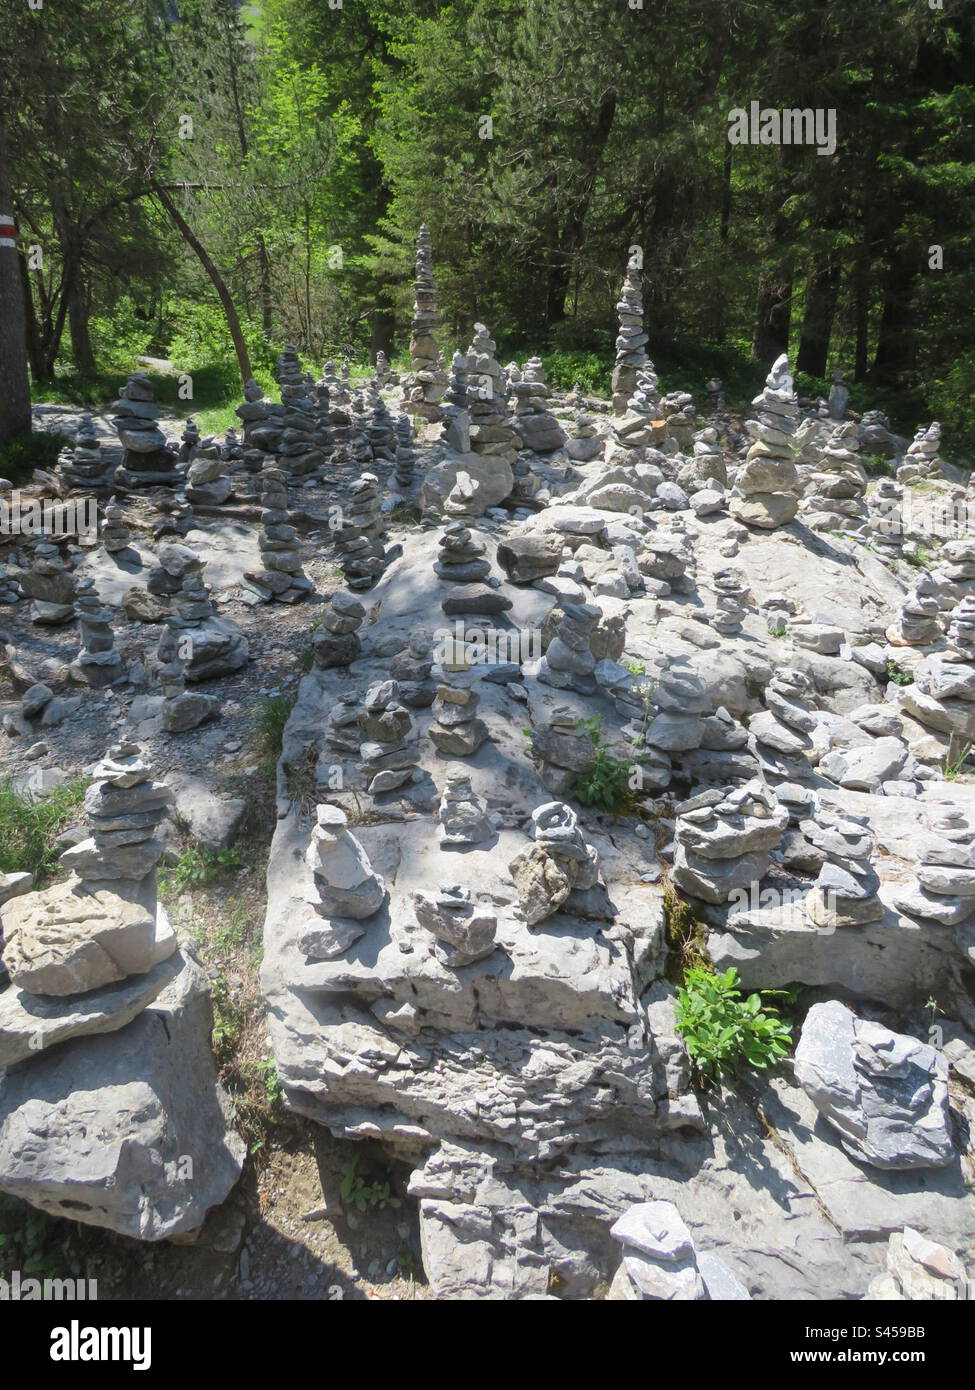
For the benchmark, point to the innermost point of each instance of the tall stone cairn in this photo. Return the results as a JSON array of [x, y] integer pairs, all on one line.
[[631, 340], [424, 386], [766, 486]]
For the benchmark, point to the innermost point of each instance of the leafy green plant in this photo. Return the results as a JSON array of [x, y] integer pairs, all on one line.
[[721, 1030], [606, 783], [196, 867], [357, 1192], [778, 630], [30, 826], [895, 673]]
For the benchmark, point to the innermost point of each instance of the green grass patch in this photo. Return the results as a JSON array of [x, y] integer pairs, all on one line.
[[19, 457], [30, 826]]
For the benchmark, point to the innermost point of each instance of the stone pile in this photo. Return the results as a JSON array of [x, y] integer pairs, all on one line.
[[885, 523], [884, 1094], [98, 663], [463, 820], [782, 730], [426, 382], [918, 1270], [533, 423], [584, 443], [298, 449], [569, 661], [764, 492], [641, 426], [491, 435], [564, 748], [359, 540], [405, 471], [723, 840], [837, 487], [147, 461], [412, 668], [263, 427], [632, 339], [83, 465], [944, 889], [115, 533], [845, 891], [558, 863], [956, 562], [384, 375], [456, 731], [282, 577], [389, 752], [189, 441], [215, 646], [182, 710], [706, 467], [922, 459], [381, 433], [345, 883], [125, 809], [730, 588], [943, 694], [206, 483], [465, 931], [336, 640], [456, 428], [917, 624], [659, 1261], [342, 727], [461, 556], [51, 585]]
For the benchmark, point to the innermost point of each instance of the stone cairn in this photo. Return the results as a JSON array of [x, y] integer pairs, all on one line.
[[533, 422], [584, 443], [98, 663], [456, 731], [426, 382], [730, 590], [569, 662], [461, 556], [405, 472], [336, 641], [723, 840], [660, 1264], [838, 485], [491, 434], [206, 483], [944, 889], [182, 709], [50, 583], [384, 376], [298, 450], [885, 524], [282, 577], [125, 808], [917, 624], [631, 340], [764, 493], [83, 465], [465, 930], [943, 694], [115, 533], [381, 433], [342, 727], [456, 428], [345, 883], [359, 540], [782, 730], [412, 668], [218, 647], [957, 562], [641, 426], [463, 820], [389, 753], [845, 891], [922, 459], [147, 461], [189, 441], [261, 420], [558, 863]]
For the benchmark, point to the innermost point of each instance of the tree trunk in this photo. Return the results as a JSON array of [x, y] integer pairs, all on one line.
[[216, 279], [14, 377], [81, 350], [861, 311], [570, 242], [35, 355], [822, 289], [896, 344], [773, 317]]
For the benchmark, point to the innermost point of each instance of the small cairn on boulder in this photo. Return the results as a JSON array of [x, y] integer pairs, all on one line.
[[943, 694], [362, 553], [336, 641], [412, 668], [922, 459], [456, 731], [723, 840], [534, 424], [147, 461], [764, 493], [212, 646], [558, 863], [659, 1261], [405, 473], [730, 589], [584, 443], [917, 624], [182, 709], [426, 382], [885, 523], [706, 466], [206, 483], [262, 426], [342, 729], [98, 663], [384, 376], [189, 441], [845, 891], [569, 661], [51, 585], [944, 889], [838, 485], [282, 577], [463, 820], [115, 533], [461, 556], [782, 730], [389, 752], [467, 931], [125, 808], [83, 466], [345, 883], [632, 338]]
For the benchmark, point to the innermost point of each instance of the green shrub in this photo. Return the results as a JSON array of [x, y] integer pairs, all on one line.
[[592, 370], [19, 457], [894, 673], [952, 401], [196, 867], [721, 1030], [606, 783]]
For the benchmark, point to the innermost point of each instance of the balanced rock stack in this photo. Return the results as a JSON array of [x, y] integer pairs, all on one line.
[[706, 466], [569, 662], [389, 752], [360, 539], [345, 882], [461, 556], [944, 890], [922, 459], [584, 442], [98, 663], [957, 561], [534, 424], [943, 694], [50, 583], [465, 930], [298, 449], [182, 709], [641, 426], [147, 461], [659, 1261], [491, 435], [463, 820], [342, 726], [206, 482], [218, 646], [885, 523], [917, 624], [404, 474], [838, 485], [730, 589], [83, 465], [456, 731], [336, 641], [764, 493], [189, 441], [558, 863], [381, 433], [384, 377], [723, 840], [631, 340], [115, 533], [282, 577], [456, 429], [262, 421], [412, 668], [918, 1270], [845, 891], [424, 386], [125, 808], [782, 730]]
